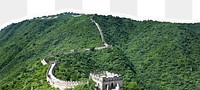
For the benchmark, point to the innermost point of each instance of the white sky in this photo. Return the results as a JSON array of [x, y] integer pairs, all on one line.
[[96, 5], [147, 9], [196, 9], [40, 7], [151, 8]]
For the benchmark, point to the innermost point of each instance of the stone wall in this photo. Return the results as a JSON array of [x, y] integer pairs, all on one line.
[[107, 80], [57, 83]]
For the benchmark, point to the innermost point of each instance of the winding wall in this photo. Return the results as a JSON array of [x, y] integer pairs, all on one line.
[[57, 83]]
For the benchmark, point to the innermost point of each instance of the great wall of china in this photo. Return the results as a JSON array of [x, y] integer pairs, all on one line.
[[57, 83]]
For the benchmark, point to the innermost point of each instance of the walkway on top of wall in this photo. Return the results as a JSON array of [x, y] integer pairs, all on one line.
[[57, 83]]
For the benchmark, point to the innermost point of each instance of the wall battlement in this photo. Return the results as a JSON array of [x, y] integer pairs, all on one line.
[[107, 81], [105, 76], [57, 83]]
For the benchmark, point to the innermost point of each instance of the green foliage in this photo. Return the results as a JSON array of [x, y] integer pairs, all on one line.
[[25, 43], [165, 55], [86, 86], [131, 86], [79, 65], [149, 55]]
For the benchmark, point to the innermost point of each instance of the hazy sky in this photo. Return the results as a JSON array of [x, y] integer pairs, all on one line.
[[162, 10]]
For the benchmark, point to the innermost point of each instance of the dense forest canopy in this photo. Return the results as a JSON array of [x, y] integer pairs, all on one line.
[[148, 54]]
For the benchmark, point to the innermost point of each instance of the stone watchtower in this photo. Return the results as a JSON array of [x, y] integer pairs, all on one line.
[[107, 81]]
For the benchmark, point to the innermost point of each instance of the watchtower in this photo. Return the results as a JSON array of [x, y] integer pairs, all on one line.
[[107, 81]]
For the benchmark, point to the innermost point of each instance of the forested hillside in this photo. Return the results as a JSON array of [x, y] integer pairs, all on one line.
[[165, 55], [148, 54]]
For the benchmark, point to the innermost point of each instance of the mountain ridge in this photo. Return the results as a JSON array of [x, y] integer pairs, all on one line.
[[163, 55]]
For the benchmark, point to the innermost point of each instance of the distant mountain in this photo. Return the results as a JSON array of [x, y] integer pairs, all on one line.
[[148, 54]]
